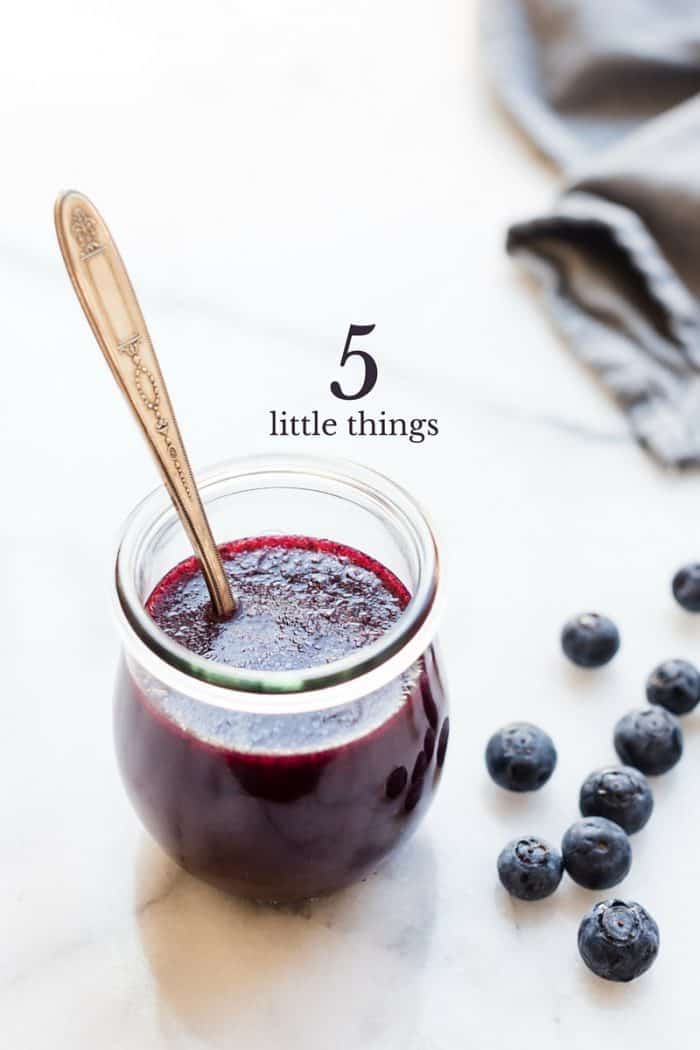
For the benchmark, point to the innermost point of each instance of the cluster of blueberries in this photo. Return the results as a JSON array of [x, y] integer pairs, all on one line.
[[618, 940]]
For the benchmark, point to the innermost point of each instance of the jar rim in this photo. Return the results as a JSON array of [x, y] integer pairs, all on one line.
[[277, 692]]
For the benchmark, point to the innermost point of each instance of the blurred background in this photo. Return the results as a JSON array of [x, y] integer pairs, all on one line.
[[273, 172]]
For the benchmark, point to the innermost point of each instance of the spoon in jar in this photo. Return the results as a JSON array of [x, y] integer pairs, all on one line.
[[106, 295]]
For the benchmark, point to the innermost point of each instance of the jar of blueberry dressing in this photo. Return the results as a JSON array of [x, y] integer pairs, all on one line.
[[282, 755]]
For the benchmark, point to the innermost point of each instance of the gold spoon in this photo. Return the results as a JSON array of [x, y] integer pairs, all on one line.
[[106, 295]]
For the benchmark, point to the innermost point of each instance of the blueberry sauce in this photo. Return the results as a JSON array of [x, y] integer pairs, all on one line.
[[282, 807]]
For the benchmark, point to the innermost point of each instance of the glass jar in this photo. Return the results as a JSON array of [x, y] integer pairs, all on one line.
[[282, 785]]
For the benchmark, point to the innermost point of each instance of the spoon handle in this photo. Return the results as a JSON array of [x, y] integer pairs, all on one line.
[[106, 295]]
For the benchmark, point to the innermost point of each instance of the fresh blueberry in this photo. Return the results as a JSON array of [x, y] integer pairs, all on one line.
[[530, 868], [686, 587], [590, 640], [650, 739], [442, 743], [419, 768], [520, 757], [618, 940], [413, 795], [597, 853], [675, 685], [621, 794], [396, 782]]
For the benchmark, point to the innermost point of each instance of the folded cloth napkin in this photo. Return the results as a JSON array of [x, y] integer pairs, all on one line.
[[610, 91]]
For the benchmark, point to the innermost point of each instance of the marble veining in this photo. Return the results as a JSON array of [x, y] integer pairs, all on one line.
[[300, 169]]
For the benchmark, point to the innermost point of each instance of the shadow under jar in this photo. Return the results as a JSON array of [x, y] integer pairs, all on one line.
[[282, 784]]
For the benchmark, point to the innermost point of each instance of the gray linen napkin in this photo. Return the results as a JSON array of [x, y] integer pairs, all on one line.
[[610, 91]]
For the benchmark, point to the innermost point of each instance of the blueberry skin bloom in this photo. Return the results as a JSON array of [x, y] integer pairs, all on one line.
[[520, 757], [618, 793], [530, 868], [686, 587], [675, 685], [597, 853], [650, 739], [618, 940], [590, 640]]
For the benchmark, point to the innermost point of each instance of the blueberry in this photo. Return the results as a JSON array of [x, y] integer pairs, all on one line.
[[621, 794], [590, 640], [520, 757], [618, 940], [442, 743], [675, 685], [396, 782], [597, 853], [530, 868], [686, 587], [650, 739], [419, 768], [413, 795]]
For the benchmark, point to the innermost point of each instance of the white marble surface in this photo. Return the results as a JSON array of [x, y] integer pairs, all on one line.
[[273, 172]]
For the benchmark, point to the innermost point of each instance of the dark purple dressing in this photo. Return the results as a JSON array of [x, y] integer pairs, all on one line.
[[301, 603], [275, 806]]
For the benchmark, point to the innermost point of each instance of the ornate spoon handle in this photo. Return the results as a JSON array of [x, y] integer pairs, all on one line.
[[103, 287]]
